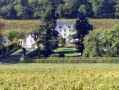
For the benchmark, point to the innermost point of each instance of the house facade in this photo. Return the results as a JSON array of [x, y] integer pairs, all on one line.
[[30, 41], [65, 29]]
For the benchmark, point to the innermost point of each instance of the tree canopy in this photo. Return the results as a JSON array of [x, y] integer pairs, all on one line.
[[82, 28], [31, 9], [102, 43]]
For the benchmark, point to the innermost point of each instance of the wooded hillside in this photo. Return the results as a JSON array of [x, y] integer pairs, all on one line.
[[32, 9]]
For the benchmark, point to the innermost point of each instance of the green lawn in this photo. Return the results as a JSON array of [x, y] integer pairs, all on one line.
[[68, 50], [16, 53]]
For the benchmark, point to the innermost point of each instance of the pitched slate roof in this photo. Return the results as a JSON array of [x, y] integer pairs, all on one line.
[[68, 24]]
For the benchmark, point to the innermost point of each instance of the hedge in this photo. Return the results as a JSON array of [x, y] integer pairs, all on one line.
[[73, 60]]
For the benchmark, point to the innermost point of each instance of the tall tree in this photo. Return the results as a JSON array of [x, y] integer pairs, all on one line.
[[8, 11], [103, 8], [1, 36], [35, 8], [117, 9], [86, 9], [71, 8], [108, 10], [47, 34], [60, 11], [82, 28]]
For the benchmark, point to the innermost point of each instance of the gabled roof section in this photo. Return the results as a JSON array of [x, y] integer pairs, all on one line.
[[68, 24]]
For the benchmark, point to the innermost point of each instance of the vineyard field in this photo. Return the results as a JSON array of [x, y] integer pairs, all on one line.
[[59, 77], [32, 25]]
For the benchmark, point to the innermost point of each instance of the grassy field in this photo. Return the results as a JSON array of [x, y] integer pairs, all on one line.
[[68, 51], [32, 25], [59, 77]]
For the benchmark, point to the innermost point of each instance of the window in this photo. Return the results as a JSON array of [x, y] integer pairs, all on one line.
[[65, 35], [64, 30], [60, 30]]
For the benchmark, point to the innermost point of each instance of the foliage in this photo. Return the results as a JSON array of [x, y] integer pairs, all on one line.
[[71, 56], [53, 77], [117, 9], [1, 34], [31, 9], [104, 8], [86, 9], [82, 28], [1, 40], [47, 34], [35, 53], [11, 35], [76, 60], [8, 48], [27, 60], [102, 43], [62, 41]]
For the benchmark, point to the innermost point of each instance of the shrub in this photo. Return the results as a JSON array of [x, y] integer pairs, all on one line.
[[8, 48], [102, 43], [61, 55], [76, 60], [27, 60], [34, 53], [11, 35], [62, 41]]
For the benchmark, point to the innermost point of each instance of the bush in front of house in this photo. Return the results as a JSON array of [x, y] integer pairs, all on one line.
[[102, 43], [61, 55], [8, 48], [35, 53], [27, 60], [62, 41]]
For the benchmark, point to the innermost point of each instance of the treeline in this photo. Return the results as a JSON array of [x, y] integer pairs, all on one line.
[[32, 9]]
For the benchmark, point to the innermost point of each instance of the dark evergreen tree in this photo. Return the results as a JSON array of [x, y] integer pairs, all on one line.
[[82, 28], [47, 34]]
